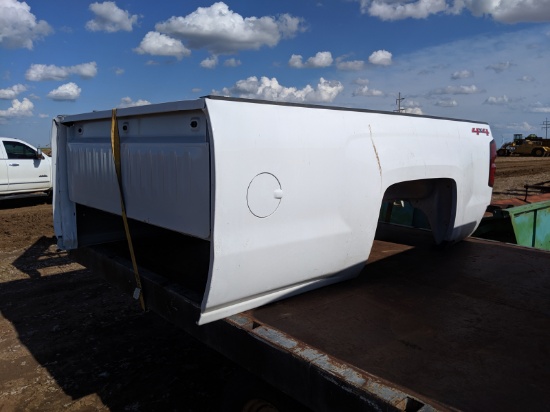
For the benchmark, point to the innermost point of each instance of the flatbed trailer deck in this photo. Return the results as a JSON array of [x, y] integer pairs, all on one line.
[[422, 328]]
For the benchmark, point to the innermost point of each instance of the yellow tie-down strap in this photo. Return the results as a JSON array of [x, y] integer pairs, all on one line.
[[115, 146]]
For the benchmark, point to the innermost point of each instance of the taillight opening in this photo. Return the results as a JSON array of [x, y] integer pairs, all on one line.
[[492, 164]]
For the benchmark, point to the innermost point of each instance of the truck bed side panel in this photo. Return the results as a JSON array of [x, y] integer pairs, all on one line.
[[314, 222], [297, 192]]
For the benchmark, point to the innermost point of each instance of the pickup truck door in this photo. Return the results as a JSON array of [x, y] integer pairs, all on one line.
[[26, 171], [3, 170]]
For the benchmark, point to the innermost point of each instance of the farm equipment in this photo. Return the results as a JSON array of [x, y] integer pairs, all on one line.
[[529, 146], [532, 148]]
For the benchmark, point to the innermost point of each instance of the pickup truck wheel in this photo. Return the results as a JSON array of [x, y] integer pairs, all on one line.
[[538, 152], [49, 198]]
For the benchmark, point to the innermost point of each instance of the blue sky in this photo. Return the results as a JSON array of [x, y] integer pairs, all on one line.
[[486, 60]]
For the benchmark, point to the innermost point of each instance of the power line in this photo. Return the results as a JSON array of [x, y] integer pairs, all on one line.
[[546, 126]]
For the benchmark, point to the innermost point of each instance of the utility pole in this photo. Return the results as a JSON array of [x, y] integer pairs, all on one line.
[[546, 126], [398, 103]]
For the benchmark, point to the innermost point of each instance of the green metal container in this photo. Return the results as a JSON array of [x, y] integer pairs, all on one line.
[[531, 224], [527, 225], [403, 213]]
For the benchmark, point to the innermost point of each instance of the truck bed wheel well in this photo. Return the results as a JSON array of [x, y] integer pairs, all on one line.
[[436, 198]]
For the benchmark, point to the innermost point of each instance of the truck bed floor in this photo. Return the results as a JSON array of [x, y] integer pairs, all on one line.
[[468, 326]]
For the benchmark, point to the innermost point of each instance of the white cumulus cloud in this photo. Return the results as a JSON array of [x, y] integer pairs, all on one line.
[[18, 109], [505, 11], [364, 90], [110, 18], [499, 67], [510, 11], [472, 89], [210, 62], [41, 72], [413, 110], [462, 74], [128, 102], [350, 65], [12, 92], [84, 70], [398, 10], [447, 103], [500, 100], [232, 63], [157, 44], [519, 127], [222, 31], [68, 91], [19, 27], [540, 108], [381, 58], [411, 107], [321, 59], [270, 89]]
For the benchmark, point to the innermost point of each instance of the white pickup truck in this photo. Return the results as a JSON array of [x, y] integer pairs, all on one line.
[[275, 199], [24, 169]]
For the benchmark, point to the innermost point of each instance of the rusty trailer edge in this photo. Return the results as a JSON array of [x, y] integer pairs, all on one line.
[[308, 375]]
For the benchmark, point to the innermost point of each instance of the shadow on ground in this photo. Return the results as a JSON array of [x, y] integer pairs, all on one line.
[[15, 203], [94, 340]]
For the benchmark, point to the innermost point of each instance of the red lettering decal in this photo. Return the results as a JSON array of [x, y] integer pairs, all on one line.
[[478, 130]]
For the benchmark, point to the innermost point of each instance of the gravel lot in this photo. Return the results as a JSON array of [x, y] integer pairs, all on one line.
[[70, 342], [513, 173]]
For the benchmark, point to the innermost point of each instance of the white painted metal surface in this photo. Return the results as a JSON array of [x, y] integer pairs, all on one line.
[[333, 167], [165, 169], [288, 195]]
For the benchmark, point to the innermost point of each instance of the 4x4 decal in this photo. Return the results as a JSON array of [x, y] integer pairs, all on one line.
[[478, 130]]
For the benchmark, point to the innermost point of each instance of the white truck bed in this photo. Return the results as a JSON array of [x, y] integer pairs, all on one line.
[[286, 196]]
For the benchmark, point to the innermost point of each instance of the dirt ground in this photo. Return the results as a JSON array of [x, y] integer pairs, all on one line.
[[513, 173], [70, 342]]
